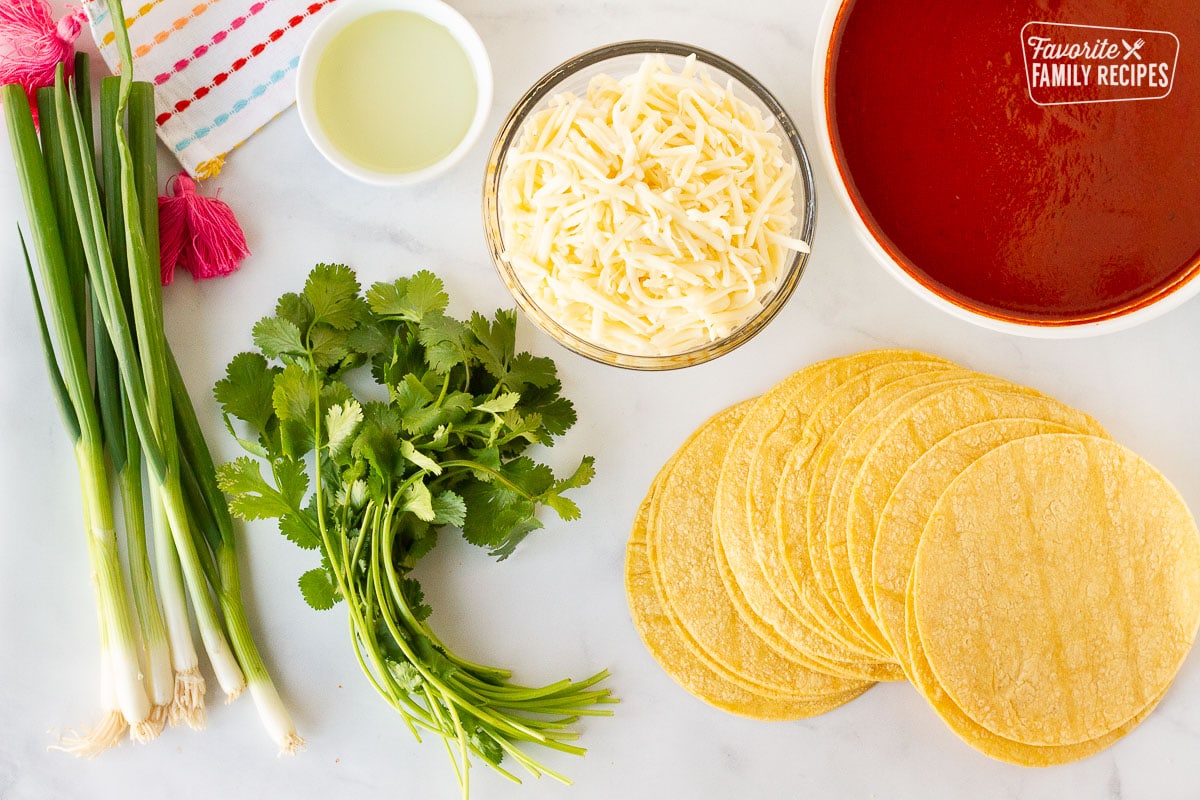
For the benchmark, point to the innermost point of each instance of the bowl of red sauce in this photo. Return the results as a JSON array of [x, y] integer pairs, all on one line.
[[1033, 168]]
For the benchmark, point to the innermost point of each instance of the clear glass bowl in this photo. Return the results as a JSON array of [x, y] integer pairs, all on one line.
[[619, 60]]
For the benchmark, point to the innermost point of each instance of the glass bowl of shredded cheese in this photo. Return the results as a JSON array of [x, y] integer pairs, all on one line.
[[649, 204]]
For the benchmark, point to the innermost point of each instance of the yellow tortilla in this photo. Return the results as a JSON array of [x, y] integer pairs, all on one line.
[[804, 496], [881, 455], [1040, 584], [700, 679], [684, 568], [744, 499], [856, 670], [985, 741], [802, 420], [911, 503], [1056, 589], [803, 650]]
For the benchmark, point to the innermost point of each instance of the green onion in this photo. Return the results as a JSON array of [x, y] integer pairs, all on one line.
[[95, 246], [57, 304], [125, 453]]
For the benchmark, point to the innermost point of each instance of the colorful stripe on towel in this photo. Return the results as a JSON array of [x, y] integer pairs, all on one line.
[[221, 68]]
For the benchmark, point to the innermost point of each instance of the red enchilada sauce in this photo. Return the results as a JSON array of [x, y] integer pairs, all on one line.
[[1047, 172]]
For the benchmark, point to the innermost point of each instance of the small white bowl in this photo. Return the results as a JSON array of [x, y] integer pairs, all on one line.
[[334, 22]]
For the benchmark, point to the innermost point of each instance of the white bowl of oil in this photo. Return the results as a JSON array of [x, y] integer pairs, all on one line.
[[393, 92]]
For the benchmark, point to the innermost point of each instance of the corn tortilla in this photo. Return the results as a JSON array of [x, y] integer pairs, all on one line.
[[781, 422], [701, 680], [1056, 589], [805, 493], [985, 741], [910, 504], [882, 454], [853, 670], [683, 565], [786, 406], [800, 649]]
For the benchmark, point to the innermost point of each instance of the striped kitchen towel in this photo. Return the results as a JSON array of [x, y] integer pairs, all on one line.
[[221, 68]]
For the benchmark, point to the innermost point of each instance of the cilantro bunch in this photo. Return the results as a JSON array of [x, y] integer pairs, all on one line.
[[370, 481]]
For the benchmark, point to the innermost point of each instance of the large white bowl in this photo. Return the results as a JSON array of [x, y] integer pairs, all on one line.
[[1175, 297]]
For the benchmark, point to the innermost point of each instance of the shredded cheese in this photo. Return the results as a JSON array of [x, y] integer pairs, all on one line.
[[652, 216]]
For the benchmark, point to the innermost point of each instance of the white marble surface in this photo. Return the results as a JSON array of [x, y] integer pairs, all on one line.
[[557, 608]]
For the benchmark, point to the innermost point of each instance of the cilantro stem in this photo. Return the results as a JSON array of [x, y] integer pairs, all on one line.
[[445, 387], [493, 474]]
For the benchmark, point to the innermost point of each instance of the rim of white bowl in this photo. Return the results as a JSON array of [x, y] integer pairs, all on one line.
[[1175, 296], [334, 22]]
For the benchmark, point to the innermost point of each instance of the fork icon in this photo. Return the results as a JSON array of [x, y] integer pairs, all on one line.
[[1132, 49]]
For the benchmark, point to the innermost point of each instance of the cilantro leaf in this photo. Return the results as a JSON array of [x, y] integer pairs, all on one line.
[[335, 393], [422, 543], [278, 337], [245, 391], [557, 412], [498, 405], [485, 743], [409, 451], [566, 508], [291, 479], [410, 299], [332, 290], [418, 501], [528, 370], [318, 589], [531, 477], [250, 496], [414, 598], [426, 294], [387, 299], [497, 518], [582, 475], [449, 509], [407, 676], [298, 529], [495, 341], [368, 339], [445, 341], [341, 423], [379, 448], [296, 309], [329, 345], [254, 448], [292, 395]]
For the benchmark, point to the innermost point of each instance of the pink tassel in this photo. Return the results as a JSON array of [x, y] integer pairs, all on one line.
[[31, 45], [197, 233]]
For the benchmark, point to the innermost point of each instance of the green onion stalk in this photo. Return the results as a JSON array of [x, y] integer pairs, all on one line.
[[151, 409], [97, 246], [160, 454], [242, 664], [125, 453], [61, 317], [146, 364], [166, 629]]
